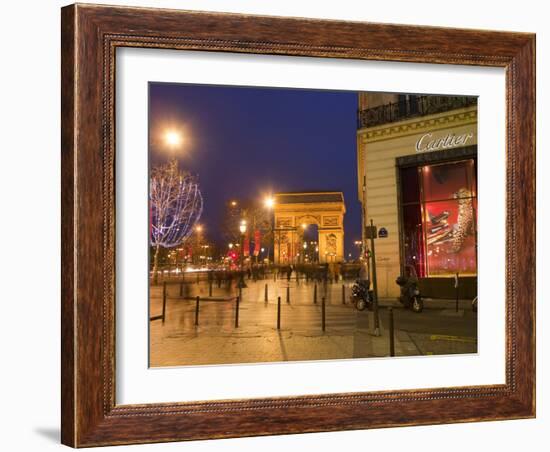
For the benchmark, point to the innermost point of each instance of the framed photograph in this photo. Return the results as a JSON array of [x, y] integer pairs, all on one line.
[[281, 225]]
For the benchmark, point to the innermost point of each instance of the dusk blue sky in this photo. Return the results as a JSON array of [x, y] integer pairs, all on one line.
[[247, 142]]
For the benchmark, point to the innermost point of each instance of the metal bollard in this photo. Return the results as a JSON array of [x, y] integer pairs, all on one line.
[[392, 341], [376, 317], [456, 292], [163, 300], [181, 289], [288, 294], [237, 312], [265, 293], [343, 294], [210, 289], [323, 313], [315, 293], [278, 313], [198, 277], [197, 311]]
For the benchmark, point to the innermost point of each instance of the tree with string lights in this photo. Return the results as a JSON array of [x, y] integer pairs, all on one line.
[[175, 207]]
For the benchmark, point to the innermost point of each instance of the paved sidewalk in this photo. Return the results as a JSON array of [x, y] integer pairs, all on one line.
[[177, 341], [170, 347], [348, 332], [430, 303]]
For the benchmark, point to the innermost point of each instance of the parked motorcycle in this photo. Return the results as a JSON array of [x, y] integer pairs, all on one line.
[[361, 297], [410, 293]]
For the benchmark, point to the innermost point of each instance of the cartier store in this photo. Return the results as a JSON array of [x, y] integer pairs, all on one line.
[[417, 179]]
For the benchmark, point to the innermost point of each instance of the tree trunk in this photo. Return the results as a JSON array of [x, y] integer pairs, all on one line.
[[156, 264]]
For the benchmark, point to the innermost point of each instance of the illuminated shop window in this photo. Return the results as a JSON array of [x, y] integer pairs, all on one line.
[[439, 220]]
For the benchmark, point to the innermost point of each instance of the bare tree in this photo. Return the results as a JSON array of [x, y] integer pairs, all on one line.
[[175, 207]]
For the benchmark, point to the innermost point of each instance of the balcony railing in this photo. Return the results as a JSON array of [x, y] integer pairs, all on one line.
[[411, 107]]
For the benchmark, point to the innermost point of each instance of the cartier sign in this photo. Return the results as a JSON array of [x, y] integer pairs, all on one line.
[[427, 142]]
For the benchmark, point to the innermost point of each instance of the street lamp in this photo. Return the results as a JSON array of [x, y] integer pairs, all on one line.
[[269, 203], [172, 138], [198, 230], [242, 229]]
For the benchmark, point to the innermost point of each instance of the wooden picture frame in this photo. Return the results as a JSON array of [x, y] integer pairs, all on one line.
[[90, 36]]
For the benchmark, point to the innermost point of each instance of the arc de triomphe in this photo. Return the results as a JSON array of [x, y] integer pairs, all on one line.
[[324, 209]]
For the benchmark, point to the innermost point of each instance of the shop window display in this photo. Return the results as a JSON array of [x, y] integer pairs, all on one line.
[[439, 220]]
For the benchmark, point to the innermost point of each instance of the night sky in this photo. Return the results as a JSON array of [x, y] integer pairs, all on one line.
[[248, 142]]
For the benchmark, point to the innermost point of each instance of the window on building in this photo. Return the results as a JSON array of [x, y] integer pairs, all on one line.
[[439, 220]]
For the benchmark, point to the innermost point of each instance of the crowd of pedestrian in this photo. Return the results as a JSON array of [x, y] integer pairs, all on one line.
[[325, 272]]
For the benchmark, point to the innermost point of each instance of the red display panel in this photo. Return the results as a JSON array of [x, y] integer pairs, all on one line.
[[449, 218]]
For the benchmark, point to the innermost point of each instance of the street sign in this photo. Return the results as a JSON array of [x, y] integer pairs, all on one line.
[[382, 233], [370, 232]]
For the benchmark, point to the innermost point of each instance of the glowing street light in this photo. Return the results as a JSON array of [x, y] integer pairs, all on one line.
[[242, 229], [172, 138], [269, 202]]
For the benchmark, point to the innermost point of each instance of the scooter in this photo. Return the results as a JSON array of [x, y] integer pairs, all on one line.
[[361, 297], [410, 293]]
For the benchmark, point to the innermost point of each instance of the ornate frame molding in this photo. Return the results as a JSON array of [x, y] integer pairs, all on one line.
[[90, 36]]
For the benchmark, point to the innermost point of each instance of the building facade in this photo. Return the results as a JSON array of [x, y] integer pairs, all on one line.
[[417, 174]]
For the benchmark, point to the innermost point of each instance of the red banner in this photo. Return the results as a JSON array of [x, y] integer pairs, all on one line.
[[257, 242], [246, 246]]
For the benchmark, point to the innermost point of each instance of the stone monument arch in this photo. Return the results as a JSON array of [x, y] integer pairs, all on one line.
[[324, 209]]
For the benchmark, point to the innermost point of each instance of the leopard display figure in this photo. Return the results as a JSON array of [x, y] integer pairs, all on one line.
[[465, 222]]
